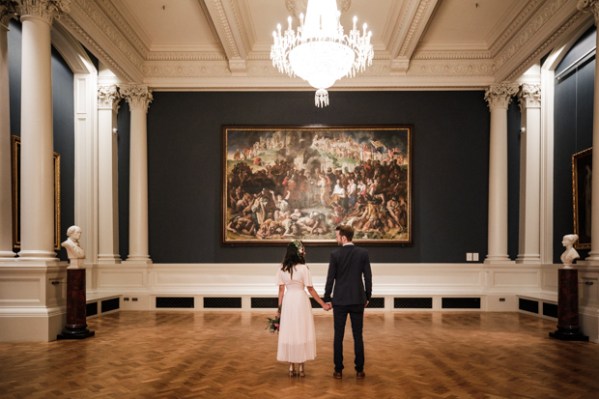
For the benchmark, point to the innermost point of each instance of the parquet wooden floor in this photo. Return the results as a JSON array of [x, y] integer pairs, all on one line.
[[232, 355]]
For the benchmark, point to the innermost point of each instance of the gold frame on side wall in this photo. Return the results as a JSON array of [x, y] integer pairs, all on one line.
[[15, 188]]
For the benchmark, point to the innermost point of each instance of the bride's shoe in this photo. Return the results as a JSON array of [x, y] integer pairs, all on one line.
[[301, 370], [291, 370]]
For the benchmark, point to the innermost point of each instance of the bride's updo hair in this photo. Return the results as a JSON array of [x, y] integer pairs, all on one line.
[[293, 256]]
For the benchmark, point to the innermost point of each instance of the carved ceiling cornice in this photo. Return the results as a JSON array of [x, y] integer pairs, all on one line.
[[536, 28], [540, 34], [90, 24], [412, 20], [229, 25]]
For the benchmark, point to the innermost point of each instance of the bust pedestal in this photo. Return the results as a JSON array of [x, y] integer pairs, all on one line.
[[567, 307], [76, 327]]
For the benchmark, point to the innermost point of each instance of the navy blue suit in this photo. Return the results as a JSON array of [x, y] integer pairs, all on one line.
[[349, 280]]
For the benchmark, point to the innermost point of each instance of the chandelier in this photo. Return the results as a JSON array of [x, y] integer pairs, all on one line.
[[318, 51]]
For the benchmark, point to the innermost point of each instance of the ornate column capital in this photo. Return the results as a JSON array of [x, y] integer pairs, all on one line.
[[109, 97], [47, 10], [8, 10], [530, 95], [138, 96], [591, 6], [500, 95]]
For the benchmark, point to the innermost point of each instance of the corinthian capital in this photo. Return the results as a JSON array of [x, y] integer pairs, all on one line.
[[591, 6], [138, 96], [108, 97], [48, 10], [530, 95], [8, 10], [500, 95]]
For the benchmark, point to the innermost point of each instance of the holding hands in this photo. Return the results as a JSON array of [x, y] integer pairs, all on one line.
[[327, 306]]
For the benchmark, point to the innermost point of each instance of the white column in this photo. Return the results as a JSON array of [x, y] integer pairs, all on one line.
[[139, 98], [530, 175], [108, 105], [6, 251], [592, 6], [37, 164], [498, 97]]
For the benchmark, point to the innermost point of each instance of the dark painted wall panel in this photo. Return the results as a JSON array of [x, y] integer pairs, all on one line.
[[450, 173], [123, 127], [514, 126], [574, 99]]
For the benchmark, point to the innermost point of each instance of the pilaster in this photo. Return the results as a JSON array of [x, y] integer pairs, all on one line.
[[530, 174], [108, 105], [498, 97], [139, 98]]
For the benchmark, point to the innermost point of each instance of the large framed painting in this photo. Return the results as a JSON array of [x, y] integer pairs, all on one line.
[[284, 183], [582, 168], [16, 199]]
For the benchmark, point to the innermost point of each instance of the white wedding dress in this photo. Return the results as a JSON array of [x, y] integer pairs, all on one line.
[[297, 336]]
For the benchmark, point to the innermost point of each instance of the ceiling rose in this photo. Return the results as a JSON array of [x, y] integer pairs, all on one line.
[[296, 7]]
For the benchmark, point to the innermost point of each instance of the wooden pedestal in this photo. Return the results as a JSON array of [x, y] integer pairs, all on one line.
[[567, 307], [76, 327]]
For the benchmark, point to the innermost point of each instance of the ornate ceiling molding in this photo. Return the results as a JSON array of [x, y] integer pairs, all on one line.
[[89, 24], [297, 7], [412, 21], [516, 25], [226, 18], [538, 26], [538, 36], [114, 14]]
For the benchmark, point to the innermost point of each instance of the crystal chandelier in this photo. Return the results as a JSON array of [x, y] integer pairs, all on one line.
[[319, 51]]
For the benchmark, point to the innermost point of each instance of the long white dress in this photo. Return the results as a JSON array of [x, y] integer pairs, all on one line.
[[297, 336]]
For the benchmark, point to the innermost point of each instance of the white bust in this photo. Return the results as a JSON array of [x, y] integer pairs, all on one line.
[[71, 244], [570, 254]]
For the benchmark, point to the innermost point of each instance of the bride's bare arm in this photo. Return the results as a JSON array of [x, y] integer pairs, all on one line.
[[315, 295]]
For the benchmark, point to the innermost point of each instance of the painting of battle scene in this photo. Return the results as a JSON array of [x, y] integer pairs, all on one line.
[[300, 182]]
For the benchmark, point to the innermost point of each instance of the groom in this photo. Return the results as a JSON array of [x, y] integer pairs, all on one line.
[[349, 279]]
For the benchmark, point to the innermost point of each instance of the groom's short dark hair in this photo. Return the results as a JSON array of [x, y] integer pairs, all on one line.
[[346, 231]]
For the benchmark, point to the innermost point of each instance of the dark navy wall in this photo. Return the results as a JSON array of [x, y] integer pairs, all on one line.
[[573, 132], [63, 120], [123, 127], [450, 168], [514, 126]]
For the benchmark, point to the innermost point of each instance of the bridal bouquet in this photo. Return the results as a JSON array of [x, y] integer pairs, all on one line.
[[273, 324]]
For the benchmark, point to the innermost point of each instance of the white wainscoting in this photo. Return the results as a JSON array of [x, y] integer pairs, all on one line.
[[588, 292], [32, 300], [33, 303], [497, 286]]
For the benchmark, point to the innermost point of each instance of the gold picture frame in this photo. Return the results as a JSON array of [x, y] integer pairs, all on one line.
[[280, 183], [582, 167], [16, 189]]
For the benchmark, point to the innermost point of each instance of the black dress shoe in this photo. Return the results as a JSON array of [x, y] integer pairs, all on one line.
[[338, 375], [360, 375]]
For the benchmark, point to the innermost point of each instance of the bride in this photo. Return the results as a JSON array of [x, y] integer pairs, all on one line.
[[297, 336]]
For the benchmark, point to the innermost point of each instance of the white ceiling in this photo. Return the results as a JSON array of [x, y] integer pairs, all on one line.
[[225, 44]]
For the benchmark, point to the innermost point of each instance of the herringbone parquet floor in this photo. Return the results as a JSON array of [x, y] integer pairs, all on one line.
[[231, 355]]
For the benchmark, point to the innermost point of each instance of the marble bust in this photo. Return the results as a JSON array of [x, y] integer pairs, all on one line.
[[71, 244], [570, 254]]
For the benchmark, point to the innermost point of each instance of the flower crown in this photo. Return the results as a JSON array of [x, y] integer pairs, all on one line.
[[298, 244]]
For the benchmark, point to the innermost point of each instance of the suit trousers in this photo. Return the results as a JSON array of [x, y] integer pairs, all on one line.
[[356, 316]]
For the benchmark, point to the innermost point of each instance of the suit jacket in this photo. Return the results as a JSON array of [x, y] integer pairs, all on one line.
[[349, 278]]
